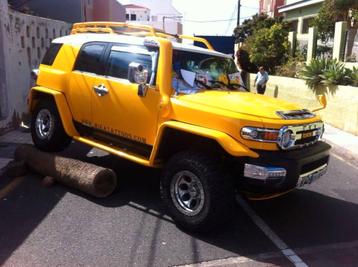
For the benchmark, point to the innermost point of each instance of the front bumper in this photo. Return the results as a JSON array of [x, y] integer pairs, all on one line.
[[301, 165]]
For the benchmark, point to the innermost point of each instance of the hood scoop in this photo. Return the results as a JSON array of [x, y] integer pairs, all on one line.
[[296, 114]]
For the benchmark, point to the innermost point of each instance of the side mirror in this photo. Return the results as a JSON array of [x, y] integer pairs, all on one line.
[[138, 73]]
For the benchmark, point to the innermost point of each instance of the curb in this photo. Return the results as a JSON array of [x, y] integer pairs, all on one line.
[[343, 153]]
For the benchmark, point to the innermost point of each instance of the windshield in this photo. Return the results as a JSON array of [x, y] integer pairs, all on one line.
[[194, 71]]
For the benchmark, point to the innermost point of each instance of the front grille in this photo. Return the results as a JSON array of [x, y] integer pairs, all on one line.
[[303, 141], [306, 134], [296, 114]]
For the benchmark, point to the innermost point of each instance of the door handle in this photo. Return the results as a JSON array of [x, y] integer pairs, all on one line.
[[100, 90]]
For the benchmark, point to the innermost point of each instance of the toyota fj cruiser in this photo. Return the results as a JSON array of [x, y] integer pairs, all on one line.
[[145, 96]]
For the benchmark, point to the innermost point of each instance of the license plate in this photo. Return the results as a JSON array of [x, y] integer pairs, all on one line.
[[310, 177], [307, 135]]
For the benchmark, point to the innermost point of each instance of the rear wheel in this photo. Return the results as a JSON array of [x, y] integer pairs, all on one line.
[[46, 128], [198, 191]]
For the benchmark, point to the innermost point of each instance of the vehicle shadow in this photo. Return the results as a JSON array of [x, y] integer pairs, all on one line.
[[302, 218]]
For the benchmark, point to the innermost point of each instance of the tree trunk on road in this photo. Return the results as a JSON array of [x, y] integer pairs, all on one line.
[[89, 178]]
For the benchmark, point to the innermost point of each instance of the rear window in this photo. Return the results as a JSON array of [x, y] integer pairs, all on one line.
[[89, 58], [51, 54]]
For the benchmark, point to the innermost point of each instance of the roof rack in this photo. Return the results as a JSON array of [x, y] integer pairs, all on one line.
[[130, 29]]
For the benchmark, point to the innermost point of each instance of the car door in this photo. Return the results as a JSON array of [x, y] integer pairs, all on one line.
[[118, 109], [88, 68]]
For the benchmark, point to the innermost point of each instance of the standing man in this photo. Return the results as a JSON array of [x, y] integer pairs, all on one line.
[[261, 80]]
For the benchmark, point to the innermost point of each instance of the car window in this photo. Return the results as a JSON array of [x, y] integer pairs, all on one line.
[[119, 60], [51, 54], [89, 59]]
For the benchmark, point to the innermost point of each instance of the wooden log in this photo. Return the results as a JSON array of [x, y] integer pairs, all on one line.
[[89, 178]]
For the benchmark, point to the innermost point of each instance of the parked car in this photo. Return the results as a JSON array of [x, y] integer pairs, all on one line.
[[144, 96]]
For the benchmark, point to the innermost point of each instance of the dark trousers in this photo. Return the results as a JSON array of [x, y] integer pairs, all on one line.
[[261, 89]]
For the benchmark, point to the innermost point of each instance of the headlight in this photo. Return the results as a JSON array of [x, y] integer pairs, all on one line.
[[260, 134], [284, 137], [288, 136]]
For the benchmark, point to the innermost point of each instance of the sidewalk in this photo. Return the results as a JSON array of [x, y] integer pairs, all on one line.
[[344, 145], [8, 144]]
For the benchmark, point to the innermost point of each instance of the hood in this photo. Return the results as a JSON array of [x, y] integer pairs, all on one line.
[[241, 102]]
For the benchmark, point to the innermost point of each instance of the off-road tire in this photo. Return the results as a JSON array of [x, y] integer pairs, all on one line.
[[56, 139], [217, 185]]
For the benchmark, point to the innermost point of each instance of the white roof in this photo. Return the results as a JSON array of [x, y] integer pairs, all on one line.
[[82, 38]]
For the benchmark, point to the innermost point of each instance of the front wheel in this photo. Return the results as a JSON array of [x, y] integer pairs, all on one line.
[[46, 128], [197, 191]]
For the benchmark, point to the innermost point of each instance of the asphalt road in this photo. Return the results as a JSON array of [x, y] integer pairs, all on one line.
[[58, 226]]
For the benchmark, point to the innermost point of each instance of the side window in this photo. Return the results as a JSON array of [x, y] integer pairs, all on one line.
[[89, 59], [51, 54], [119, 60]]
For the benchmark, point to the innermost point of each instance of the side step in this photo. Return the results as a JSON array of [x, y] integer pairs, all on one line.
[[115, 151]]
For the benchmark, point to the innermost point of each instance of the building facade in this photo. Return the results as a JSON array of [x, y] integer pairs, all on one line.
[[100, 10], [157, 13], [137, 13], [72, 10], [300, 14], [270, 7]]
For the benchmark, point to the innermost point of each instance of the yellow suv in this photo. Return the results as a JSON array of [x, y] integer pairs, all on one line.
[[145, 96]]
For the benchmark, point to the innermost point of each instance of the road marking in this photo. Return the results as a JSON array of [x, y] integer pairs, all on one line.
[[280, 244], [10, 186], [233, 261], [262, 258]]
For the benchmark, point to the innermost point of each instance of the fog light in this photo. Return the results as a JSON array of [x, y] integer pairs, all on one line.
[[263, 173]]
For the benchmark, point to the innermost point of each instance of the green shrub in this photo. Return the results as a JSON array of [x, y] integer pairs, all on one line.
[[335, 74], [328, 72], [353, 74], [313, 72], [292, 67], [244, 61], [269, 47]]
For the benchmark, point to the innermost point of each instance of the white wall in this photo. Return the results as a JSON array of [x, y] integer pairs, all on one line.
[[24, 40], [142, 14], [171, 27]]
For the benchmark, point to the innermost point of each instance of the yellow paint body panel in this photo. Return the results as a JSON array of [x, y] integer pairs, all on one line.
[[229, 144], [62, 107]]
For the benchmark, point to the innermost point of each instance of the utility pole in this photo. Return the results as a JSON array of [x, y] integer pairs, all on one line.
[[238, 12]]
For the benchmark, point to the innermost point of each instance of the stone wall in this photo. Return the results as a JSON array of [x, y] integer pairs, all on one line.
[[24, 40], [342, 108]]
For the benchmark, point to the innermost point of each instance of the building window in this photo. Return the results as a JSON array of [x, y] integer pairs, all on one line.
[[127, 16], [306, 24], [133, 17]]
